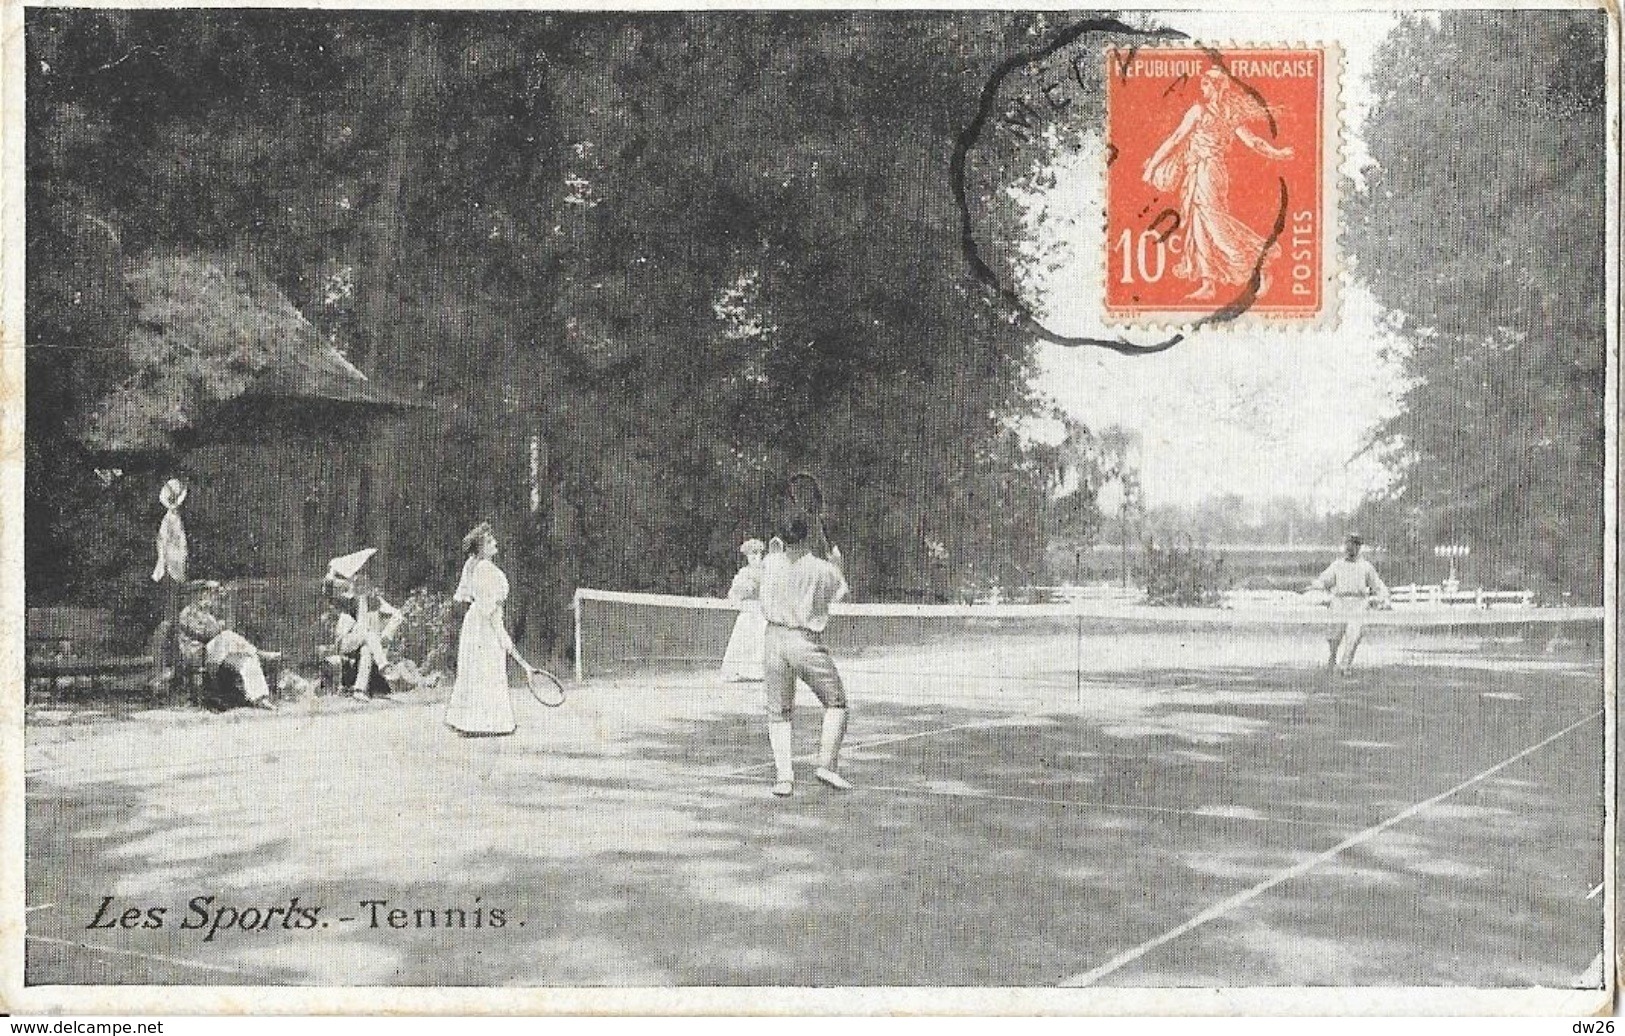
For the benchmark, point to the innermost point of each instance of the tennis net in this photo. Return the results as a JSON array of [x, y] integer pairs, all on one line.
[[1004, 647]]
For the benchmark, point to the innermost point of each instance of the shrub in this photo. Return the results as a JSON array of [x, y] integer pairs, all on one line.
[[427, 634], [1182, 573]]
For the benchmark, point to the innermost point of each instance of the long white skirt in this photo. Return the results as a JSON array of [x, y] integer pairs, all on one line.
[[480, 702], [743, 659]]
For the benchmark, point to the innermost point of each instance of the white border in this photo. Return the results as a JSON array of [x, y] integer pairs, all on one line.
[[177, 1000]]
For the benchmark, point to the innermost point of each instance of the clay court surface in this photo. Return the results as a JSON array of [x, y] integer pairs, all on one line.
[[1196, 810]]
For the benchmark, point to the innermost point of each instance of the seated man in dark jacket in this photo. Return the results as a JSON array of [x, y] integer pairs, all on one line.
[[233, 669]]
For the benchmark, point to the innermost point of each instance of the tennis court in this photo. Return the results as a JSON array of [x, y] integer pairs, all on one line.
[[1040, 804]]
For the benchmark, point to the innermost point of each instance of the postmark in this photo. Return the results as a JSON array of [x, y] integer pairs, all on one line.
[[1070, 129], [1221, 185]]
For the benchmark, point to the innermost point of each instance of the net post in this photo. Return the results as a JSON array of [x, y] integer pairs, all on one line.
[[576, 607], [1077, 606]]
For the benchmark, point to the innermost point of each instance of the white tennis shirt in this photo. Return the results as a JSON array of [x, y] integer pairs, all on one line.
[[1345, 578], [799, 592]]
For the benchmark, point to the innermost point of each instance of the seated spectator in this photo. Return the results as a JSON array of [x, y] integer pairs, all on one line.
[[233, 671], [361, 622]]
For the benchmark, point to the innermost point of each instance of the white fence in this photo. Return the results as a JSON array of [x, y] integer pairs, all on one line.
[[1410, 594], [1439, 595]]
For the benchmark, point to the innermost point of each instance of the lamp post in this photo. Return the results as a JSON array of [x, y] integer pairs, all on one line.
[[1452, 551]]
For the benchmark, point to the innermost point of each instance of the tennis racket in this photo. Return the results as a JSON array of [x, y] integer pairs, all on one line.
[[545, 688], [804, 494]]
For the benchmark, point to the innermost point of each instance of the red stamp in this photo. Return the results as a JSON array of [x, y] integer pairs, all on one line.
[[1220, 190]]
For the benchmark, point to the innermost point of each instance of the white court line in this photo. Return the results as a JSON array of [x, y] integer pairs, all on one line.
[[42, 906], [1593, 893], [878, 742], [1225, 906], [197, 965], [1123, 807]]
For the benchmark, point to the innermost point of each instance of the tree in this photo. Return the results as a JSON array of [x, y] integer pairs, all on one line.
[[1481, 231], [634, 315], [788, 282]]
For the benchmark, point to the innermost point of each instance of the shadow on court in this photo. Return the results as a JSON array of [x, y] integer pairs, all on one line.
[[629, 838]]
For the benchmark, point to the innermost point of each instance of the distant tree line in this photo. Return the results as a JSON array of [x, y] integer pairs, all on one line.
[[1481, 232]]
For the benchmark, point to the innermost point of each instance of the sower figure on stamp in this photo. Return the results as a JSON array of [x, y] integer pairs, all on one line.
[[1219, 248], [1353, 582], [797, 589]]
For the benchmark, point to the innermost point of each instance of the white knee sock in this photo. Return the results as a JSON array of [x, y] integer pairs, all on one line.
[[778, 736], [829, 745]]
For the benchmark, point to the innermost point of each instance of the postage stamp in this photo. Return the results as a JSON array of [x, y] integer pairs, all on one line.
[[1221, 184]]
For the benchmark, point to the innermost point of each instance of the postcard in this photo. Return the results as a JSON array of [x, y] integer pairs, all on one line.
[[810, 510]]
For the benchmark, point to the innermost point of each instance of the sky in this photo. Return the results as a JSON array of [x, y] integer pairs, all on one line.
[[1258, 413]]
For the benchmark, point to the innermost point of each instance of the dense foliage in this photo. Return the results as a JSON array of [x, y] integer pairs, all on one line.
[[643, 265], [1179, 572], [1481, 231]]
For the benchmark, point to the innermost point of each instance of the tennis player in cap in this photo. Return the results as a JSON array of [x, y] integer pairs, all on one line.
[[797, 589], [1354, 585]]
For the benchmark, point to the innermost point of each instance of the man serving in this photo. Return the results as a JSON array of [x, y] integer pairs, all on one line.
[[797, 589], [1353, 582]]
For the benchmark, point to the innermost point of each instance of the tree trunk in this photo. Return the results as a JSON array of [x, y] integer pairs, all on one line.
[[378, 300]]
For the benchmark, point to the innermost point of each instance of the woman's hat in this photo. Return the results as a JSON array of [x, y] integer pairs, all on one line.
[[752, 546], [348, 565], [477, 535], [173, 494]]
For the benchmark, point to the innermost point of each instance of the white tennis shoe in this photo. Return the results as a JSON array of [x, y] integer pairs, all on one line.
[[833, 779]]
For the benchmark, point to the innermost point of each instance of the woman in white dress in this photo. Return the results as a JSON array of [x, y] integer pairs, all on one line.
[[743, 659], [480, 702]]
